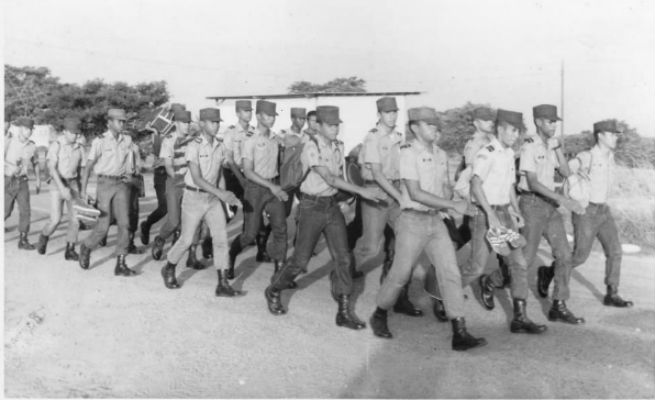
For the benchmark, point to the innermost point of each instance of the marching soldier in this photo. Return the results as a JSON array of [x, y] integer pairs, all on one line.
[[65, 159], [312, 124], [597, 166], [320, 213], [541, 155], [135, 188], [112, 158], [19, 154], [262, 192], [380, 160], [492, 186], [173, 155], [295, 134], [202, 202], [235, 181], [420, 228]]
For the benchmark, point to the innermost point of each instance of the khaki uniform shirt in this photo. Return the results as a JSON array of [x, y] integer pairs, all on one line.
[[234, 137], [473, 146], [174, 147], [381, 148], [537, 158], [114, 157], [291, 138], [208, 156], [427, 166], [329, 155], [494, 165], [600, 169], [263, 151], [67, 157], [18, 156]]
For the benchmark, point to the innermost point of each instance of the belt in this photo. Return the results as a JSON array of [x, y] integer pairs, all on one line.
[[373, 182], [194, 189], [597, 204], [499, 207], [306, 196], [12, 177], [542, 198], [431, 211], [114, 177]]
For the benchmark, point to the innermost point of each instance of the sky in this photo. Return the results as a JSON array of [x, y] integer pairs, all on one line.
[[508, 54]]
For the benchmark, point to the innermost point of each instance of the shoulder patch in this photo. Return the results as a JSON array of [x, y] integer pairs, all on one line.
[[490, 148], [231, 127], [374, 130], [406, 146], [198, 139], [528, 140]]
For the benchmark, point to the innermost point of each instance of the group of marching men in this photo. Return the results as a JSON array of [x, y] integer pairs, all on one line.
[[405, 204]]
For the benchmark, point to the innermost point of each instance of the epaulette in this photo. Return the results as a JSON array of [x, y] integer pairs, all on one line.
[[198, 139], [398, 133], [374, 130], [283, 131], [406, 146], [491, 148], [231, 127], [340, 142], [31, 142], [528, 140]]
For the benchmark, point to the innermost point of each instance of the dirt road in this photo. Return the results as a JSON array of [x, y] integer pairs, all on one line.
[[76, 333]]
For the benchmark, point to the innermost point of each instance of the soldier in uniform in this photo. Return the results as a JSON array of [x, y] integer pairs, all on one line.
[[597, 166], [173, 155], [420, 228], [202, 201], [19, 154], [293, 137], [541, 155], [492, 186], [380, 161], [312, 124], [235, 181], [262, 192], [320, 213], [65, 159], [112, 158]]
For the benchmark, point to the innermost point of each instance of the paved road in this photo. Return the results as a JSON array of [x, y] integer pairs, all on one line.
[[75, 333]]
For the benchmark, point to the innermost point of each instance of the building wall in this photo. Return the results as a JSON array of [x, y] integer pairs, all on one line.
[[358, 113]]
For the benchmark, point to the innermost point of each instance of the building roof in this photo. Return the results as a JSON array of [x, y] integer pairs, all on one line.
[[312, 94]]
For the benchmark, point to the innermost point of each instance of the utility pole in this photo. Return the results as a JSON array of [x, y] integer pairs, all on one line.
[[562, 94]]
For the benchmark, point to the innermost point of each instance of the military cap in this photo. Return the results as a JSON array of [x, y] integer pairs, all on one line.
[[177, 107], [425, 114], [297, 112], [266, 107], [72, 124], [25, 121], [182, 116], [387, 104], [117, 113], [328, 114], [210, 114], [511, 117], [609, 125], [245, 105], [545, 111], [484, 113]]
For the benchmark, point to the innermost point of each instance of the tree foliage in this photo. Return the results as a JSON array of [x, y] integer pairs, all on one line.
[[351, 84], [34, 92]]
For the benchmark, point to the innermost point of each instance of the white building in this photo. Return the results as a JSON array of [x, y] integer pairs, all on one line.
[[357, 110]]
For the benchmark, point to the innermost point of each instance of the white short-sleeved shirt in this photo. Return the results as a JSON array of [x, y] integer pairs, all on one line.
[[537, 158], [234, 137], [329, 155], [114, 157], [427, 166], [263, 151], [208, 156], [478, 141], [494, 165], [381, 148], [67, 156], [18, 156], [599, 166]]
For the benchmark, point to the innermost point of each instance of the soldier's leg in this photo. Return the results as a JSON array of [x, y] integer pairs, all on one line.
[[608, 235], [121, 210], [193, 210], [11, 190], [24, 210], [374, 220], [73, 225], [105, 192], [480, 249], [278, 222], [215, 219], [56, 203]]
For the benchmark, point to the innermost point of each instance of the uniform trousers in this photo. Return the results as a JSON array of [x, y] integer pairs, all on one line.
[[56, 203], [17, 190], [159, 178], [112, 201]]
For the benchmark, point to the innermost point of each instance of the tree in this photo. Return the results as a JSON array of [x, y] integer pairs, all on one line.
[[352, 84]]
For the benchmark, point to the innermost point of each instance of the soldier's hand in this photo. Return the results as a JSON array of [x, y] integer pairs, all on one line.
[[574, 206], [231, 199], [464, 208], [280, 194], [553, 143], [371, 194]]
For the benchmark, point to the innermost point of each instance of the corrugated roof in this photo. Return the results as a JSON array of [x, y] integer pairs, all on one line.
[[312, 94]]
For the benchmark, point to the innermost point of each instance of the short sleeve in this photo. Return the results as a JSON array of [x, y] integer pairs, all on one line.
[[408, 167], [167, 149], [95, 151], [528, 162], [53, 152], [309, 156], [585, 160], [371, 151], [191, 153], [469, 152], [248, 150], [482, 164]]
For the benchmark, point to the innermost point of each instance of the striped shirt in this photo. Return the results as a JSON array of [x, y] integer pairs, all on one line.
[[174, 147]]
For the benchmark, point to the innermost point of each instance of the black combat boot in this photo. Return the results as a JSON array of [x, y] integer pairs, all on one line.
[[157, 249], [70, 253], [612, 298], [235, 249], [462, 340], [145, 233], [85, 255], [345, 317], [439, 310], [192, 261], [559, 312], [521, 323], [545, 275], [168, 273], [379, 324], [23, 243], [487, 292], [404, 306], [121, 268], [274, 302], [223, 289], [261, 239], [131, 247], [42, 245], [277, 265]]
